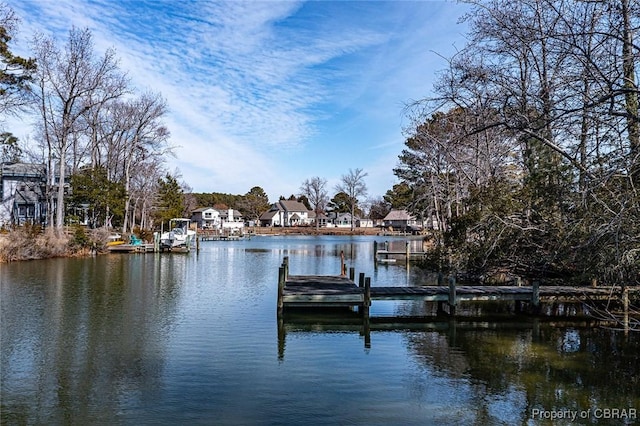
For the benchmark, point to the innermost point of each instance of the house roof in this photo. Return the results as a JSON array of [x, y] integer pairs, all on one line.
[[268, 215], [225, 213], [314, 215], [202, 209], [346, 216], [293, 206], [399, 215]]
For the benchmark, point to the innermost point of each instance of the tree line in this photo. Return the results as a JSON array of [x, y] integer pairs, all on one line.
[[527, 158]]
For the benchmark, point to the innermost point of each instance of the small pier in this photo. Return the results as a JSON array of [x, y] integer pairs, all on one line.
[[133, 248], [385, 255], [318, 291]]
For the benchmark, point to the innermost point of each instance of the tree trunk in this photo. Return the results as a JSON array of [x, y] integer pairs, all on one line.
[[631, 92]]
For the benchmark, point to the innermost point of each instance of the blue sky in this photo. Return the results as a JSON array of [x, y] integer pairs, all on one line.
[[267, 93]]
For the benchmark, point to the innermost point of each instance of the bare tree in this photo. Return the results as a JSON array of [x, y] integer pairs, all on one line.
[[354, 186], [547, 88], [70, 83], [315, 191]]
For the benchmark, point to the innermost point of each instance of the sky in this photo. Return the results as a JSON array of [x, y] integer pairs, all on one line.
[[268, 93]]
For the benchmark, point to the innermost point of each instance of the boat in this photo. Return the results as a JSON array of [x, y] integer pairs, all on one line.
[[115, 240], [179, 237]]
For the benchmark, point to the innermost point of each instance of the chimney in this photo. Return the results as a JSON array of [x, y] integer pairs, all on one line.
[[230, 215]]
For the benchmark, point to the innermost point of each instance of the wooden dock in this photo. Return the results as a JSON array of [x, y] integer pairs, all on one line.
[[132, 248], [385, 255], [313, 291]]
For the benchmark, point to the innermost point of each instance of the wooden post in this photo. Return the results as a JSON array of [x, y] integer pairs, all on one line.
[[352, 273], [407, 250], [452, 295], [594, 282], [285, 264], [342, 267], [375, 250], [535, 296], [281, 283], [197, 243], [440, 278], [361, 280], [367, 296]]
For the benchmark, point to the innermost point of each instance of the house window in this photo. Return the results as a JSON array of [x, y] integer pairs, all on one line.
[[208, 215], [26, 210]]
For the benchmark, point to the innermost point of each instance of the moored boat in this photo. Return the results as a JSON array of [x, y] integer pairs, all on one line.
[[179, 237]]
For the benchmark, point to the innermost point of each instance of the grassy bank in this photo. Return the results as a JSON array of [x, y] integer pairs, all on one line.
[[31, 242]]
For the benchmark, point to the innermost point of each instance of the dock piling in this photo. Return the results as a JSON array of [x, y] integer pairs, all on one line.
[[285, 263], [452, 295], [281, 283], [535, 296], [367, 296]]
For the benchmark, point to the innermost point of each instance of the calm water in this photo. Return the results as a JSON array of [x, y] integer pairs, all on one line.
[[194, 339]]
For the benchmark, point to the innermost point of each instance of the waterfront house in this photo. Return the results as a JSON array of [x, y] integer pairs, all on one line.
[[210, 218], [286, 213], [401, 220], [343, 220], [22, 186], [206, 218], [231, 220], [320, 217]]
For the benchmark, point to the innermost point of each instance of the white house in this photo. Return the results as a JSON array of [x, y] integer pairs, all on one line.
[[343, 220], [286, 213], [206, 218], [232, 220], [210, 218]]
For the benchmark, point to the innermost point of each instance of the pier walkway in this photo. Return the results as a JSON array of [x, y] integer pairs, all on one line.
[[342, 290]]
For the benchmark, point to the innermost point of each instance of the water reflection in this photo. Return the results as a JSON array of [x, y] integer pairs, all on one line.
[[194, 338], [508, 369], [84, 336]]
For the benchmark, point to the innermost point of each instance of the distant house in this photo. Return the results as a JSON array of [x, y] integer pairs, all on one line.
[[231, 219], [364, 223], [210, 218], [206, 218], [321, 218], [401, 220], [22, 186], [286, 213], [343, 220]]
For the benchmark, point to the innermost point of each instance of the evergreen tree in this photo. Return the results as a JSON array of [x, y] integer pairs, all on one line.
[[170, 202]]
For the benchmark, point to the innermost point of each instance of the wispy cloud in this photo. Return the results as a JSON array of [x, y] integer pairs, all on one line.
[[268, 93]]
